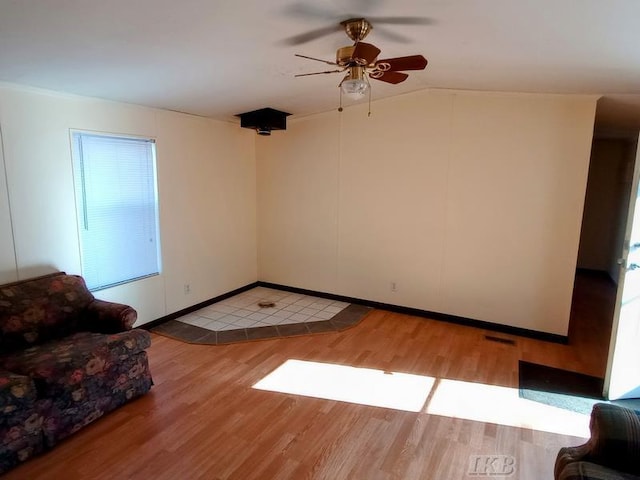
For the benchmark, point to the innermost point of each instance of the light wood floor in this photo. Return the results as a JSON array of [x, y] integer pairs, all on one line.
[[202, 419]]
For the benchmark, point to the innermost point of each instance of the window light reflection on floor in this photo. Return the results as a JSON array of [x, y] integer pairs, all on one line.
[[365, 386], [503, 406], [409, 392]]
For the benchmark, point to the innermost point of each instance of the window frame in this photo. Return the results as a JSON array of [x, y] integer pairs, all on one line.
[[78, 172]]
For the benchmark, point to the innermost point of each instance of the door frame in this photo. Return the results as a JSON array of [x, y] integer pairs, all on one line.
[[633, 204]]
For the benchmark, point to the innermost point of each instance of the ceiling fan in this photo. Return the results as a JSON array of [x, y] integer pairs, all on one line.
[[360, 62]]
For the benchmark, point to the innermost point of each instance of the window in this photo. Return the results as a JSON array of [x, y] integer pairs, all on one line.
[[117, 207]]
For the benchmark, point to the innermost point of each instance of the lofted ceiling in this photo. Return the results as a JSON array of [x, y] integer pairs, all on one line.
[[217, 58]]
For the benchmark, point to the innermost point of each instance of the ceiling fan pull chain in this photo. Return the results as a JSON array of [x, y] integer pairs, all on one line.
[[340, 107], [369, 89]]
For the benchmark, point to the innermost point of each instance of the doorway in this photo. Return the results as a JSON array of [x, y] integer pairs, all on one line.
[[602, 237]]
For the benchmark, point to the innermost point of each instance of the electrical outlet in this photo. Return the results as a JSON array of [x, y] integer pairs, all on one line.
[[393, 286], [187, 289]]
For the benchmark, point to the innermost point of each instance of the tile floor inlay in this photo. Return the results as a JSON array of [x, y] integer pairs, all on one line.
[[243, 311], [242, 318]]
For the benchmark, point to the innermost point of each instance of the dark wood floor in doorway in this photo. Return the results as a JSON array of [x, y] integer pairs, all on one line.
[[594, 297]]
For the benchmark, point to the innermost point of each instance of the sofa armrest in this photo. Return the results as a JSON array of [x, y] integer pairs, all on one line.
[[567, 456], [109, 317], [614, 442], [615, 437]]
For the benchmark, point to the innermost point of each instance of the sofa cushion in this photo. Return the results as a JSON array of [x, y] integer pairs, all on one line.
[[36, 310], [17, 392], [58, 366]]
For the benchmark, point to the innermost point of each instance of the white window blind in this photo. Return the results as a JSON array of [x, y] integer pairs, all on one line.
[[115, 183]]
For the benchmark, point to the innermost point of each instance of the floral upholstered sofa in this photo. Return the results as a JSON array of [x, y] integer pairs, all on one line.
[[66, 359]]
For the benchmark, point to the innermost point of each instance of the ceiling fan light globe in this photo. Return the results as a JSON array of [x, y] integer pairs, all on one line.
[[354, 88]]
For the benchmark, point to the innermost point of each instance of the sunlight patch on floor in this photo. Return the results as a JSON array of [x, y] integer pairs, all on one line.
[[503, 406], [364, 386], [409, 392]]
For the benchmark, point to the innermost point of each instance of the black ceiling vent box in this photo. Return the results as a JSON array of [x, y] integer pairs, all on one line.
[[264, 120]]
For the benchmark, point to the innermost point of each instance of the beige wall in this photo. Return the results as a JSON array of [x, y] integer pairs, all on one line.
[[470, 203], [8, 271], [206, 184], [298, 204]]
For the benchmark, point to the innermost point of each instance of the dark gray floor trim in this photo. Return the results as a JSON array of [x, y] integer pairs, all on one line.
[[494, 327]]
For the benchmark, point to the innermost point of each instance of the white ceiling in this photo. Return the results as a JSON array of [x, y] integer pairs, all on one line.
[[218, 58]]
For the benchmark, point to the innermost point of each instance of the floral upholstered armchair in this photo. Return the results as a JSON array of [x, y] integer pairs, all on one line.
[[612, 452], [66, 359]]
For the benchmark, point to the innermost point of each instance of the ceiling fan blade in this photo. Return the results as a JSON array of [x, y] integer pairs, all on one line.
[[308, 11], [312, 35], [316, 59], [412, 62], [365, 53], [393, 36], [402, 20], [318, 73], [389, 77]]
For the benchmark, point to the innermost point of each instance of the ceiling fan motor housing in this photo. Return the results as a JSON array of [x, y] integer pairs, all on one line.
[[356, 28]]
